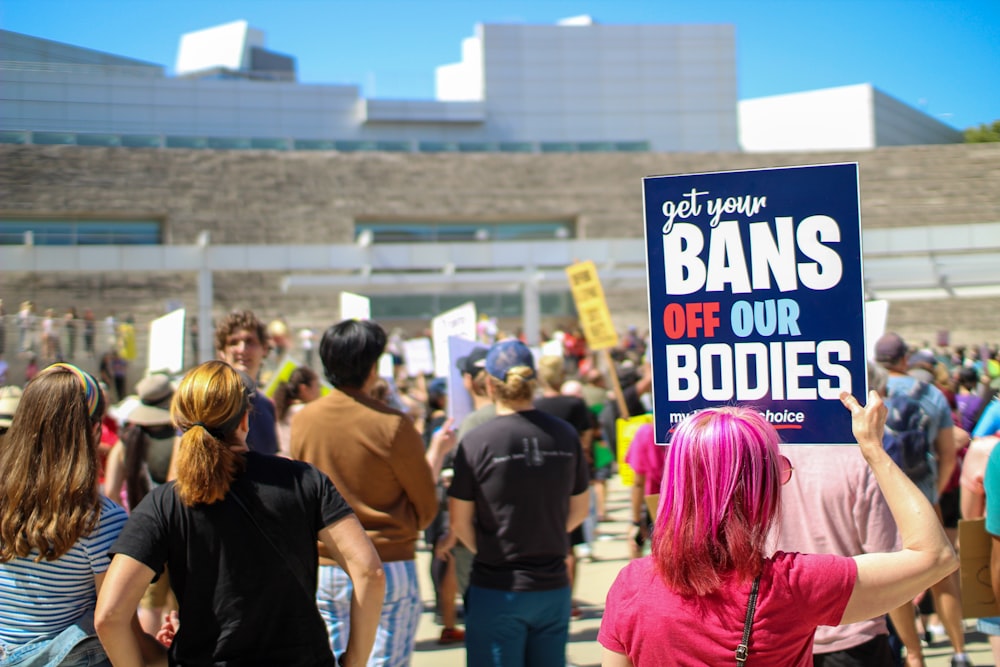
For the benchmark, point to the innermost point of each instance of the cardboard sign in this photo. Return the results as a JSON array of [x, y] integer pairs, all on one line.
[[460, 322], [756, 296], [978, 600], [591, 306]]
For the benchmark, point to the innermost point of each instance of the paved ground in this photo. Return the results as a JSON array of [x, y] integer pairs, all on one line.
[[611, 554]]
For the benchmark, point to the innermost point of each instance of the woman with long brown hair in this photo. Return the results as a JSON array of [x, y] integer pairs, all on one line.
[[238, 531], [291, 396], [55, 527]]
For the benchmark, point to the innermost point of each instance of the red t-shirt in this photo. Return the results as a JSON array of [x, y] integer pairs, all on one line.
[[655, 627]]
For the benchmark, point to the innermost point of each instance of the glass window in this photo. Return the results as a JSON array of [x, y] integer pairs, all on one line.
[[632, 146], [50, 138], [81, 232], [350, 146], [596, 147], [228, 143], [428, 306], [394, 146], [557, 147], [465, 231], [142, 140], [314, 145], [270, 144], [517, 147], [187, 142], [98, 140], [477, 147], [437, 147], [8, 137]]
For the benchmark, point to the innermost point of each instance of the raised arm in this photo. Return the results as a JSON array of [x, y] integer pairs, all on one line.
[[349, 545], [886, 580], [442, 442]]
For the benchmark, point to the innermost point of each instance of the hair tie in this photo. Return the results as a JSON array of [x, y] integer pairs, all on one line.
[[199, 424], [91, 391]]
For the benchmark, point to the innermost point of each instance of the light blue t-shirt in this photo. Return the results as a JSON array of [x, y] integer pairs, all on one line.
[[932, 401], [40, 600], [989, 421]]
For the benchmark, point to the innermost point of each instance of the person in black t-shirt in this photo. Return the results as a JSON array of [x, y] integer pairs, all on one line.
[[238, 531], [520, 485]]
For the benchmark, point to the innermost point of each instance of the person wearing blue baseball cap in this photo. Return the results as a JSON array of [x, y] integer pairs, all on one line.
[[520, 485]]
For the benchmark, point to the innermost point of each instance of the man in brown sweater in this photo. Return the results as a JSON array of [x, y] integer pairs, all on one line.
[[376, 459]]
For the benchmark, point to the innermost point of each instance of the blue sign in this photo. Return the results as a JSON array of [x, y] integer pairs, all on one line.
[[756, 297]]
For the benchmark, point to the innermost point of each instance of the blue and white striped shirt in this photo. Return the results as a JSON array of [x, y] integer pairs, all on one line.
[[39, 600]]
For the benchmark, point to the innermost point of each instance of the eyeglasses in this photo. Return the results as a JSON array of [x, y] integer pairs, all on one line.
[[785, 469]]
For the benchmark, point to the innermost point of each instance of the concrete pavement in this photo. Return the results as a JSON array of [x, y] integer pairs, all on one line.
[[594, 579]]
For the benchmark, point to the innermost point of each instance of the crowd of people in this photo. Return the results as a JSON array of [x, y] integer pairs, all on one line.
[[200, 521]]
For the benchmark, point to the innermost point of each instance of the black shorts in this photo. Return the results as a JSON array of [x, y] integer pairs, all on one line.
[[951, 511], [873, 653]]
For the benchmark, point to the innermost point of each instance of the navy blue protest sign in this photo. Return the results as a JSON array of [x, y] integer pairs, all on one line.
[[756, 296]]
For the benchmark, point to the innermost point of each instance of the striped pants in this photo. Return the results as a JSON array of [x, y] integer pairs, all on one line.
[[397, 629]]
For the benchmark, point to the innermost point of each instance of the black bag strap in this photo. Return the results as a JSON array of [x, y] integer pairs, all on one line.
[[743, 650]]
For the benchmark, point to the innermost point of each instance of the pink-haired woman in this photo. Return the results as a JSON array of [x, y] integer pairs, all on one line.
[[710, 594]]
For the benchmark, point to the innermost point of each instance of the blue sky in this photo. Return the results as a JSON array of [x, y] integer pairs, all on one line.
[[942, 56]]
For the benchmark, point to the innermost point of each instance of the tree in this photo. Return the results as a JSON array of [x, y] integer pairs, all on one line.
[[983, 134]]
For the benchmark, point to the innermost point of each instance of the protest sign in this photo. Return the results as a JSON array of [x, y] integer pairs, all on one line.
[[591, 306], [978, 600], [461, 322], [756, 296], [355, 307], [876, 315], [166, 343], [418, 356], [460, 403]]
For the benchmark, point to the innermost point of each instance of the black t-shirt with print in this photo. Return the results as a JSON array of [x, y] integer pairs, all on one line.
[[520, 471], [241, 602]]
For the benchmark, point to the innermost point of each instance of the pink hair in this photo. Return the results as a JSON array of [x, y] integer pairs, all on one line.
[[720, 494]]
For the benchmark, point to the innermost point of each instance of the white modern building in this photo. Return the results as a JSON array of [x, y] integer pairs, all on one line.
[[574, 86], [856, 117], [577, 85]]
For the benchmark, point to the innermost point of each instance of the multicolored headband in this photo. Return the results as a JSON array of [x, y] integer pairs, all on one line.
[[92, 393]]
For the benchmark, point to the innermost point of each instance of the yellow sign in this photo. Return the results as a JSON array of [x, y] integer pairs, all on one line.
[[592, 307], [626, 429]]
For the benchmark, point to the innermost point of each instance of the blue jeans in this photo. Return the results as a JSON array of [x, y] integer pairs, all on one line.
[[76, 646], [516, 629]]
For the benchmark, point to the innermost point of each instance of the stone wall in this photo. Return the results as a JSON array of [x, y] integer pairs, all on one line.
[[316, 197]]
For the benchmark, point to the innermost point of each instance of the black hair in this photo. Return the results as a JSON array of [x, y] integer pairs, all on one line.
[[349, 350], [968, 378]]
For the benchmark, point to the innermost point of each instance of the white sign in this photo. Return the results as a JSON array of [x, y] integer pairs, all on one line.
[[386, 369], [355, 307], [876, 315], [166, 343], [460, 403], [460, 322], [419, 357]]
